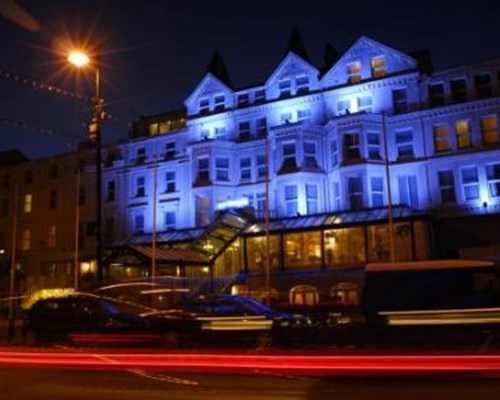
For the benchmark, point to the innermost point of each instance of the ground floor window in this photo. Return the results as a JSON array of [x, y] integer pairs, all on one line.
[[304, 295], [303, 250], [345, 294], [229, 263], [328, 248], [378, 242], [344, 246], [257, 253]]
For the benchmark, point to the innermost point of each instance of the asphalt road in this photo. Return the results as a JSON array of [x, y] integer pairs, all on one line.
[[45, 383]]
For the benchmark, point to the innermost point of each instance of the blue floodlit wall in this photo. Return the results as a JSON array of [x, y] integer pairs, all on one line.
[[325, 139]]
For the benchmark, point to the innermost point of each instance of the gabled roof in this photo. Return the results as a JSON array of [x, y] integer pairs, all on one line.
[[292, 59], [216, 75], [364, 46], [209, 81], [295, 52]]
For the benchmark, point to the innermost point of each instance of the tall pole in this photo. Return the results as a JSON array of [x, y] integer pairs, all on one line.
[[12, 277], [77, 230], [389, 192], [153, 237], [98, 164], [267, 222]]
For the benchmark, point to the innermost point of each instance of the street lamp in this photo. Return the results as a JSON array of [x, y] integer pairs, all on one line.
[[80, 59]]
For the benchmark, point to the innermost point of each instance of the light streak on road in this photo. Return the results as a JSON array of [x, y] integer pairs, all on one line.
[[306, 363]]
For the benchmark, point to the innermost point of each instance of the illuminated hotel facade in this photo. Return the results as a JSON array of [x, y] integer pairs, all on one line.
[[195, 179]]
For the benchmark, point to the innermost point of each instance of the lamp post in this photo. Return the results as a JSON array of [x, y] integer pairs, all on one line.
[[392, 250], [80, 59]]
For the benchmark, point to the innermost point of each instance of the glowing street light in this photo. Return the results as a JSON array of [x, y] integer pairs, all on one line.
[[80, 59]]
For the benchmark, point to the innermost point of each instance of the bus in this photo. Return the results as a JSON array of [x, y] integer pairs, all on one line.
[[457, 296]]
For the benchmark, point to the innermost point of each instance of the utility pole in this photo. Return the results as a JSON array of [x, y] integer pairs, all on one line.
[[76, 269], [153, 237], [267, 222], [12, 276], [389, 192], [97, 122]]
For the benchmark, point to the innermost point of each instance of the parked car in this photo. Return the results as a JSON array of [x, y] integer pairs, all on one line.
[[82, 318], [196, 321], [228, 319]]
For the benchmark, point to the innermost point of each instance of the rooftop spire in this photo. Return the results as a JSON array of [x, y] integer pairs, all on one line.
[[296, 45], [217, 67]]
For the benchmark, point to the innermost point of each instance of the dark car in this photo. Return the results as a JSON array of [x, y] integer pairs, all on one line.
[[196, 321], [84, 318], [228, 319]]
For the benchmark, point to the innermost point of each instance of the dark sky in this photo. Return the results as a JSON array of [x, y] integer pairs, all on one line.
[[154, 52]]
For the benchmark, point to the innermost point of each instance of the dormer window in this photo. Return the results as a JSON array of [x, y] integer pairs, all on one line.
[[219, 102], [153, 129], [354, 72], [458, 89], [378, 67], [302, 84], [242, 99], [285, 88], [204, 106], [260, 96]]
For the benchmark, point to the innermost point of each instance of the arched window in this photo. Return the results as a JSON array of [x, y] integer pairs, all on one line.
[[304, 295]]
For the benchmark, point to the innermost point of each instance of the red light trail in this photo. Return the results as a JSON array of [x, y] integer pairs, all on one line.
[[310, 363]]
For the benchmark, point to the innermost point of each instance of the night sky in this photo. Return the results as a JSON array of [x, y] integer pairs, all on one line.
[[154, 52]]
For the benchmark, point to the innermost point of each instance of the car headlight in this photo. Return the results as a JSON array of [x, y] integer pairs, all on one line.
[[338, 319], [284, 323]]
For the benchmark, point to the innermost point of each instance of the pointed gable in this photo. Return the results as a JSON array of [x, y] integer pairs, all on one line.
[[367, 59], [294, 70], [214, 86]]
